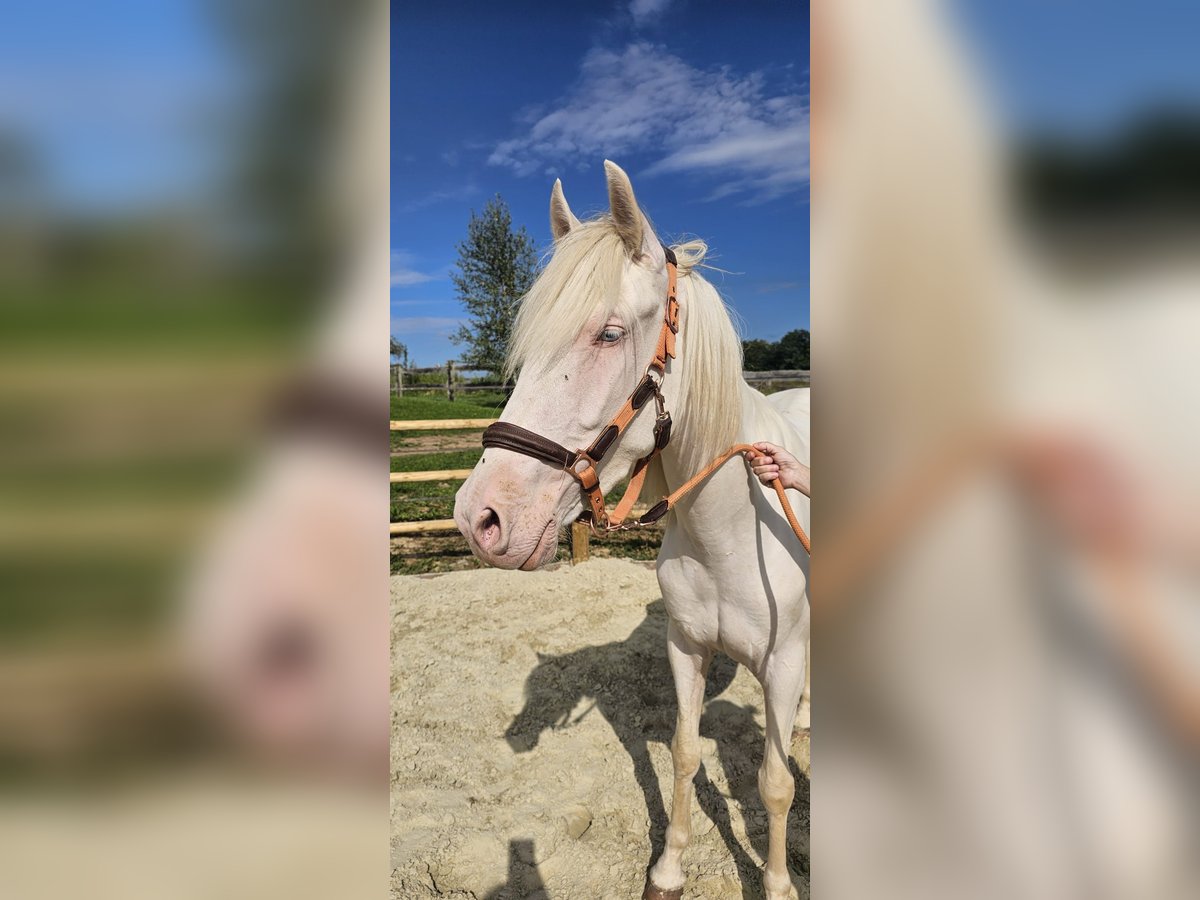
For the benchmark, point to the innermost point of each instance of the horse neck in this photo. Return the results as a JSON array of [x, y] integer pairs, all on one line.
[[724, 495]]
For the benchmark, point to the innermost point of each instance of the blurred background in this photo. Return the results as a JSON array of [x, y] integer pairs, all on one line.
[[186, 325], [1005, 296]]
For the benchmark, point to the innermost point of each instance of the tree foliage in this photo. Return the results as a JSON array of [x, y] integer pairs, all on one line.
[[400, 352], [790, 352], [496, 266]]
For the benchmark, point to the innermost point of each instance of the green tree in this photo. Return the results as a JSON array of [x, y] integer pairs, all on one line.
[[793, 350], [758, 355], [789, 352], [400, 352], [496, 267]]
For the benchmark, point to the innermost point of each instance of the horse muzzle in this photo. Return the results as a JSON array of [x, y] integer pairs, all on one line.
[[505, 533]]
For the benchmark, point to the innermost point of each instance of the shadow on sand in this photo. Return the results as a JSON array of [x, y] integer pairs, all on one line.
[[629, 683], [524, 879]]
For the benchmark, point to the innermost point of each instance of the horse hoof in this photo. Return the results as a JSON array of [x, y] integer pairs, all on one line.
[[657, 893]]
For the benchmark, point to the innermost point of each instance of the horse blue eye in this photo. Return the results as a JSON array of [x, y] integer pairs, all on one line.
[[610, 335]]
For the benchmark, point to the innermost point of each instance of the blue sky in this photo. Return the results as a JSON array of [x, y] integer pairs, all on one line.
[[705, 104], [1083, 68], [113, 98]]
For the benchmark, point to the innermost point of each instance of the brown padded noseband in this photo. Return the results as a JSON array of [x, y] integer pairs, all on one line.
[[508, 436]]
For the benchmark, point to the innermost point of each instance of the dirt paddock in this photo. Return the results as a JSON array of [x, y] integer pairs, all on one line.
[[531, 720]]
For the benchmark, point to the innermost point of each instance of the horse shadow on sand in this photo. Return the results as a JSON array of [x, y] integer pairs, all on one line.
[[629, 683]]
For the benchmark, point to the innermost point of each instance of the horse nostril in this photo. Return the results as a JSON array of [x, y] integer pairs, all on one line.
[[287, 650], [487, 527]]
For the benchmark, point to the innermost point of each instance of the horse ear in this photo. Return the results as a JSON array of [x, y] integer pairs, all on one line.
[[635, 231], [562, 219]]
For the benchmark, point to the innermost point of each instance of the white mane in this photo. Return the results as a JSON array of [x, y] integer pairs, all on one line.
[[582, 280], [709, 367]]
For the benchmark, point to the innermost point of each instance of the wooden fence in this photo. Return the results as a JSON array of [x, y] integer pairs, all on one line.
[[800, 377], [451, 380], [579, 531], [431, 526]]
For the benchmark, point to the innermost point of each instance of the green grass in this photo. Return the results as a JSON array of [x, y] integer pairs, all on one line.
[[428, 462], [480, 406], [421, 500], [476, 405], [78, 594], [104, 481], [99, 317]]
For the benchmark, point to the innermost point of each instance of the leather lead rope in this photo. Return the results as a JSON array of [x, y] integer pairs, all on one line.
[[663, 506]]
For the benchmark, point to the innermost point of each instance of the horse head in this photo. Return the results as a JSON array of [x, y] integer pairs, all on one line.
[[582, 340]]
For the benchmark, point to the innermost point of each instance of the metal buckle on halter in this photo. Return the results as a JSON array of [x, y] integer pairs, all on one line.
[[582, 466], [598, 529], [656, 375]]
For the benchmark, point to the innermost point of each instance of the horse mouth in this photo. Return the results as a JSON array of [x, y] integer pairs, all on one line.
[[545, 549]]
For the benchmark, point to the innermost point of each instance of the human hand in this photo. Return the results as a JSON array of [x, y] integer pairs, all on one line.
[[776, 463]]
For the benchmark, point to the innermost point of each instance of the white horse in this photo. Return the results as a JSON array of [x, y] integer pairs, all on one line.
[[732, 573]]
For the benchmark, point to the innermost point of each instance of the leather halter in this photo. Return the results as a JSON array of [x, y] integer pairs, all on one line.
[[582, 463]]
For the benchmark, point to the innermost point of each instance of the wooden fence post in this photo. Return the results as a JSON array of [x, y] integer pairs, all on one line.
[[580, 535], [400, 381], [450, 379]]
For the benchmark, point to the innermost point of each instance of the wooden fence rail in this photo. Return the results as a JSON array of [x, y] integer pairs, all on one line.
[[431, 526], [453, 383], [436, 475], [439, 424], [778, 375]]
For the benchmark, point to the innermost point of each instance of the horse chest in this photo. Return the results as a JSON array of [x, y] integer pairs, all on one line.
[[717, 612]]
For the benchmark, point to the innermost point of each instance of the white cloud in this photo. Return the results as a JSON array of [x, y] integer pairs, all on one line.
[[403, 273], [462, 192], [641, 10], [405, 277], [644, 100], [424, 325]]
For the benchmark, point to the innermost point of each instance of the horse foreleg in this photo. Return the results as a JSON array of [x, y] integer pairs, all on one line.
[[782, 690], [689, 664], [804, 716]]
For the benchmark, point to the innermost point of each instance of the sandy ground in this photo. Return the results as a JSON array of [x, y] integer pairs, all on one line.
[[531, 720], [191, 836], [416, 444]]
